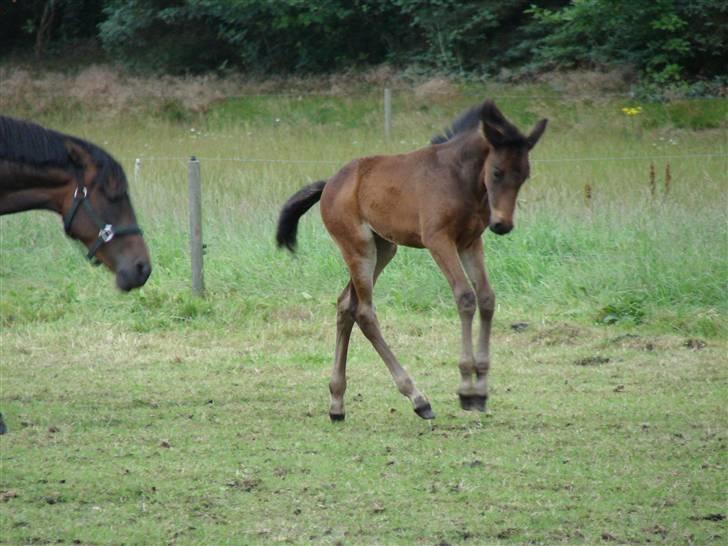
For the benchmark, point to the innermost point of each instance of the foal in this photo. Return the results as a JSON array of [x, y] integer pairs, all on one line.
[[441, 198]]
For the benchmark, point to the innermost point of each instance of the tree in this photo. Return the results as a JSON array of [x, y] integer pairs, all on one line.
[[667, 40]]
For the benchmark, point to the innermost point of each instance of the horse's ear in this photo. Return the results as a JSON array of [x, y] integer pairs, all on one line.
[[493, 134], [536, 133], [489, 113], [494, 123], [82, 159], [78, 155]]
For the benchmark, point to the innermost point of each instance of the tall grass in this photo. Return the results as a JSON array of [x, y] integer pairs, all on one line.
[[623, 257]]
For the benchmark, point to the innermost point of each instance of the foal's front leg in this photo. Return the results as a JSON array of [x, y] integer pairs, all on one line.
[[445, 253], [472, 259]]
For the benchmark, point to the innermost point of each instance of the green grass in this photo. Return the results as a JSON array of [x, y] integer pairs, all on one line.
[[155, 417]]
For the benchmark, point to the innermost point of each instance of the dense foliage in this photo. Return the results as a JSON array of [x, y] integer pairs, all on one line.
[[667, 41]]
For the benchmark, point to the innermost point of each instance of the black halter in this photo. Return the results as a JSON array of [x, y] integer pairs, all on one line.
[[106, 231]]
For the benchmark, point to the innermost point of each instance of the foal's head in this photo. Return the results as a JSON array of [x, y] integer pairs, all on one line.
[[506, 165]]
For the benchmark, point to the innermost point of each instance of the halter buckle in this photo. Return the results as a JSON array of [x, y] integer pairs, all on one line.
[[85, 192], [106, 233]]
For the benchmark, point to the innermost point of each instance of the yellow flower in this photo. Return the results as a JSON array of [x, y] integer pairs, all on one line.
[[632, 111]]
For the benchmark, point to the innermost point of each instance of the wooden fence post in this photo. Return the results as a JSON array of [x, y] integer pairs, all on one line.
[[668, 178], [588, 195], [195, 184], [137, 171], [387, 113]]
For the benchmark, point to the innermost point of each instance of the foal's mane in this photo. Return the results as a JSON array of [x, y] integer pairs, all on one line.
[[26, 142], [471, 119], [467, 121]]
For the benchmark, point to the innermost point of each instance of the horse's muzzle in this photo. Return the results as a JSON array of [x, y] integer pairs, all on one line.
[[501, 228], [133, 276]]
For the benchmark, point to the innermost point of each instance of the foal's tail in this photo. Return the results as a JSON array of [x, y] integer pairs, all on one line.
[[295, 207]]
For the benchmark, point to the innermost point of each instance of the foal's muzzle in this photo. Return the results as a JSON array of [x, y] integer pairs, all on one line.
[[501, 228]]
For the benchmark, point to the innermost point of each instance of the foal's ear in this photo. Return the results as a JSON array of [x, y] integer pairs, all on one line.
[[538, 130], [489, 113], [493, 134], [494, 123]]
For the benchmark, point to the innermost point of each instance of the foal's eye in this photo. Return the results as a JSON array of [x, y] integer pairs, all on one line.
[[497, 173]]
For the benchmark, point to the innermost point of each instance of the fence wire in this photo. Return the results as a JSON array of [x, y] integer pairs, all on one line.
[[335, 162], [413, 91]]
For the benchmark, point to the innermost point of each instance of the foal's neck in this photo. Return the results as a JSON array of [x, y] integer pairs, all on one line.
[[470, 154], [25, 187]]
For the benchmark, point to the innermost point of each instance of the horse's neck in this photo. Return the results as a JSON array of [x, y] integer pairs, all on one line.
[[470, 153], [24, 187]]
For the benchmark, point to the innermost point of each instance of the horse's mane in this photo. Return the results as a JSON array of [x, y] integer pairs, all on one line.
[[26, 142], [467, 121], [470, 120]]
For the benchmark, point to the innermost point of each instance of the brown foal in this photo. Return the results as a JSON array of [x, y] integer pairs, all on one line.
[[441, 198]]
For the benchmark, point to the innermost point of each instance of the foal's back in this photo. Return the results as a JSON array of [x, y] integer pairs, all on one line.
[[402, 197]]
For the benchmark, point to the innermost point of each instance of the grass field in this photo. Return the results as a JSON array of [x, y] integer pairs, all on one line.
[[154, 417]]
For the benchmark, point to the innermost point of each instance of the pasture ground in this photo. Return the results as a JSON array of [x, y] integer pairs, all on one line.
[[154, 417], [215, 437]]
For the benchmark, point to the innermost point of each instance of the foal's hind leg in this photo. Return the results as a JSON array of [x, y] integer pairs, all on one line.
[[472, 260], [366, 257], [345, 318], [345, 308]]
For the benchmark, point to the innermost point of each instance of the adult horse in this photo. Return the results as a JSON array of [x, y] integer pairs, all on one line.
[[441, 198], [44, 169]]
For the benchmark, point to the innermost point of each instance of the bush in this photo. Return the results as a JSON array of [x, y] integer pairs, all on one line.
[[669, 42]]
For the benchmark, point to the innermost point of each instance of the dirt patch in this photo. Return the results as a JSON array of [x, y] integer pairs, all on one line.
[[507, 533], [5, 496], [657, 530], [633, 341], [562, 334], [709, 517], [247, 484], [695, 344], [596, 360]]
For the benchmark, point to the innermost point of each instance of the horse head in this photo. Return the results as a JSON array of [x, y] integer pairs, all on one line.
[[506, 165], [98, 213]]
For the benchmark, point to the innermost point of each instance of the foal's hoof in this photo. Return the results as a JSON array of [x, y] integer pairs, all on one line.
[[336, 417], [473, 402], [425, 411]]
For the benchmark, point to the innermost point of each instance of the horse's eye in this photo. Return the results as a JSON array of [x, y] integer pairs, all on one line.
[[497, 173]]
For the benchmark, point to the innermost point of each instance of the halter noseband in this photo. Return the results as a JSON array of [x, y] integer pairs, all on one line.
[[106, 231]]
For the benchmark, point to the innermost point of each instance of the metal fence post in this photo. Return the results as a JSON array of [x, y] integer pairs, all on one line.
[[195, 183]]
